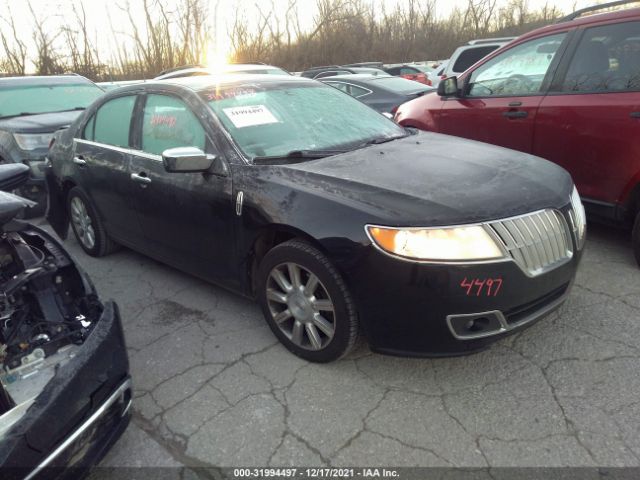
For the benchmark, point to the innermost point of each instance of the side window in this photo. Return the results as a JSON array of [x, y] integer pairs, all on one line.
[[113, 120], [169, 123], [517, 71], [606, 60], [407, 71], [87, 134], [470, 56], [343, 87], [349, 89], [358, 92]]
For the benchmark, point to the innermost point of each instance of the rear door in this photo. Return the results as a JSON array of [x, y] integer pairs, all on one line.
[[501, 96], [101, 158], [187, 218], [590, 120]]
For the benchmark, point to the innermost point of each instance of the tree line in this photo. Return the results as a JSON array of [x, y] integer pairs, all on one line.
[[171, 33]]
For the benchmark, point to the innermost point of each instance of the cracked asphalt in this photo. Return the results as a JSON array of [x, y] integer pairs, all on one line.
[[213, 387]]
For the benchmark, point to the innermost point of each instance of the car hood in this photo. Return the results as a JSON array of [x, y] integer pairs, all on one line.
[[433, 179], [41, 123]]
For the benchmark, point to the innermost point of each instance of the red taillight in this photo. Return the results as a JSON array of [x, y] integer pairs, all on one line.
[[51, 142], [442, 77]]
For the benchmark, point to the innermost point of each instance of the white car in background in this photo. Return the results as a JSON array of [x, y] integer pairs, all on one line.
[[467, 55], [196, 70]]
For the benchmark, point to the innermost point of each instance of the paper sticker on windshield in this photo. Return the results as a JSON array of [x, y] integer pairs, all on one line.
[[249, 116]]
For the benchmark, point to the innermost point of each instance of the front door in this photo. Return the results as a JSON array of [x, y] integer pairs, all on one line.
[[187, 218], [501, 97]]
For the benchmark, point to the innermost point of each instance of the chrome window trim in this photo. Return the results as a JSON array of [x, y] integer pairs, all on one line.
[[128, 151], [117, 395], [369, 92]]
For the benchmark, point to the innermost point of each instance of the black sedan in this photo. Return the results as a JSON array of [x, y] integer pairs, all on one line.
[[65, 391], [335, 218], [384, 94], [31, 109]]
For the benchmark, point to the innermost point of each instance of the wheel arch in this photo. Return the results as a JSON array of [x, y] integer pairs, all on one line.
[[267, 238]]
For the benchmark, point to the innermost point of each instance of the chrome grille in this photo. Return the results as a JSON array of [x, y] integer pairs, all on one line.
[[538, 242]]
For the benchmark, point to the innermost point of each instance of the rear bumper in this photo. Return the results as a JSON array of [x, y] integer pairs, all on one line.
[[81, 412]]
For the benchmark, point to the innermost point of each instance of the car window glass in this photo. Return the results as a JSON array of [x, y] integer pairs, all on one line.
[[471, 56], [517, 71], [169, 123], [113, 121], [407, 71], [274, 119], [87, 134], [606, 60]]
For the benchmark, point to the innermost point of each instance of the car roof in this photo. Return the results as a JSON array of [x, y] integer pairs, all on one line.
[[562, 25], [354, 76], [43, 80], [235, 67], [204, 82]]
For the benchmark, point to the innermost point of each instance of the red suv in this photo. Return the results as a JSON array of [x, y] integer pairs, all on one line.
[[570, 93]]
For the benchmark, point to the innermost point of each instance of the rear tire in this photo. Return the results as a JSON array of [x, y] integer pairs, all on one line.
[[87, 225], [306, 302], [636, 238]]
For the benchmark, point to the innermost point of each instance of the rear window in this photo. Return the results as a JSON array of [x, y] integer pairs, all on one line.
[[400, 85], [471, 56]]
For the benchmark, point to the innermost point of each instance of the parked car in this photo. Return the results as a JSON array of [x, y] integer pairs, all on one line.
[[331, 215], [65, 390], [410, 72], [437, 74], [111, 85], [467, 55], [333, 70], [31, 109], [200, 70], [383, 94], [569, 93]]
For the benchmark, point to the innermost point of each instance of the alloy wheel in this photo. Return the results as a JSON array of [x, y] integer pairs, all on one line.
[[300, 306], [82, 223]]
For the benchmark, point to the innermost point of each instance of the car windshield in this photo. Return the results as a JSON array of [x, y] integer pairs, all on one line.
[[33, 99], [277, 119]]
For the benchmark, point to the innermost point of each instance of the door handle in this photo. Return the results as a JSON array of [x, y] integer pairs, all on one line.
[[515, 114], [141, 178], [79, 160], [634, 114]]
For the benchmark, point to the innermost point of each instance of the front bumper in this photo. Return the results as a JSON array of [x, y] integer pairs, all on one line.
[[417, 309], [81, 412]]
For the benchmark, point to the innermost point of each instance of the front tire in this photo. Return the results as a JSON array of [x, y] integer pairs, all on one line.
[[306, 302], [636, 238], [87, 225]]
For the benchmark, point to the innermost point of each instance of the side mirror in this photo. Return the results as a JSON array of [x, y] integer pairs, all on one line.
[[448, 87], [12, 175], [187, 160]]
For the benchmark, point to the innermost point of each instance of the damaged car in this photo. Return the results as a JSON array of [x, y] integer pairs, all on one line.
[[65, 390], [31, 109], [336, 219]]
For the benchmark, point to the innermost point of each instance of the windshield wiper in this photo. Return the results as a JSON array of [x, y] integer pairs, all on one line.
[[379, 140], [74, 109], [296, 155], [21, 114]]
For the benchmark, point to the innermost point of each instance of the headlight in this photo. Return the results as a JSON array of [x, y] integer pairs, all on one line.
[[579, 218], [462, 243], [32, 141]]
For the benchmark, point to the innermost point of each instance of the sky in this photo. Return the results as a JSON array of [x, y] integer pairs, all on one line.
[[54, 10]]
